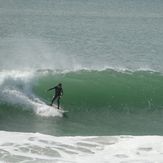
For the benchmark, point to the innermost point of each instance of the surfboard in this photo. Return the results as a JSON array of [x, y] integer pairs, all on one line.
[[61, 110]]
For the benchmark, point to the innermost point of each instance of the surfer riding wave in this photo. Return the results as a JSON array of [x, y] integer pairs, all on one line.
[[58, 94]]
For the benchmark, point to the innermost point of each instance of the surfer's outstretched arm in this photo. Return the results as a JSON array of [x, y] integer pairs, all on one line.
[[51, 89]]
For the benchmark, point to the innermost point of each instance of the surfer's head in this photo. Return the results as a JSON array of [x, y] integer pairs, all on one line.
[[60, 84]]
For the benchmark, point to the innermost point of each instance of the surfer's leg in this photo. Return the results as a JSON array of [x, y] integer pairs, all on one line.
[[58, 101], [54, 97]]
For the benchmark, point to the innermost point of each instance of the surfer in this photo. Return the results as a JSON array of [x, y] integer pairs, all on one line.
[[58, 94]]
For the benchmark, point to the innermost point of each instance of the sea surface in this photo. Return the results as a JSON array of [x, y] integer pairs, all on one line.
[[108, 55]]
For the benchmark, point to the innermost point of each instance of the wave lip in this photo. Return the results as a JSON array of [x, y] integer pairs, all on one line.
[[19, 147]]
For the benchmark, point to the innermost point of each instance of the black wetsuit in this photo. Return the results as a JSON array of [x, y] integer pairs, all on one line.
[[58, 94]]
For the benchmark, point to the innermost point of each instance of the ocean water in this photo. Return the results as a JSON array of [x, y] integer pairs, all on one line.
[[108, 56]]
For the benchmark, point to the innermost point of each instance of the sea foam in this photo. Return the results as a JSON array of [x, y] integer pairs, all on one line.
[[36, 147], [16, 89]]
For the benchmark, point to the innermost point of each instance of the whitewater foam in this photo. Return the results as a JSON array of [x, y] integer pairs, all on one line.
[[16, 89], [38, 106], [36, 147]]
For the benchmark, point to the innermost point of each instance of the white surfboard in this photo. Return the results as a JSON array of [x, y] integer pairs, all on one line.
[[61, 110]]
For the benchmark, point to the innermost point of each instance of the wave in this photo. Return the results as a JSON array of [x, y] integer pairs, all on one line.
[[107, 88], [89, 89], [104, 102]]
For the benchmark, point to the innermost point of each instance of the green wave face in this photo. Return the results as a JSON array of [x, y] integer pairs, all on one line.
[[98, 103], [106, 89]]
